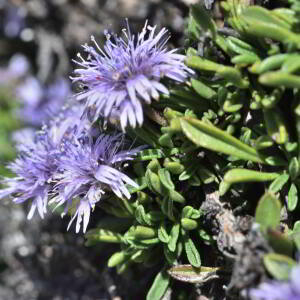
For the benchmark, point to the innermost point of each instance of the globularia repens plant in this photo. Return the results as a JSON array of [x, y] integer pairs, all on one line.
[[177, 147]]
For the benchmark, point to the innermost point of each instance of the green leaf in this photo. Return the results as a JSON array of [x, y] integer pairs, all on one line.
[[279, 266], [294, 168], [141, 215], [270, 63], [263, 142], [244, 175], [188, 224], [203, 90], [175, 196], [188, 273], [154, 165], [189, 171], [143, 198], [277, 79], [206, 175], [240, 47], [292, 197], [165, 178], [224, 187], [275, 126], [264, 15], [192, 253], [169, 255], [268, 211], [234, 76], [296, 234], [166, 140], [149, 154], [142, 232], [278, 183], [291, 64], [201, 64], [159, 286], [95, 236], [213, 138], [259, 22], [190, 212], [233, 103], [154, 182], [163, 234], [244, 59], [275, 161], [116, 259], [167, 207], [174, 237], [174, 167], [142, 184]]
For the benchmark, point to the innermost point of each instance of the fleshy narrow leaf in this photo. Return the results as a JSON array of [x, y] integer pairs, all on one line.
[[292, 197], [159, 286], [275, 126], [116, 259], [213, 138], [163, 234], [174, 237], [95, 236], [203, 90], [244, 175], [192, 253], [277, 79], [278, 183], [165, 178]]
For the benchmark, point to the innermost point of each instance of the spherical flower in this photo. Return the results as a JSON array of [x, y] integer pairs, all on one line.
[[279, 290], [17, 67], [123, 76], [33, 168], [40, 102], [38, 161], [87, 170]]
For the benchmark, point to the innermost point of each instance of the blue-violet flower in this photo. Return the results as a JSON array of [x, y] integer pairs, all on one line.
[[87, 170], [41, 102], [123, 76], [34, 168]]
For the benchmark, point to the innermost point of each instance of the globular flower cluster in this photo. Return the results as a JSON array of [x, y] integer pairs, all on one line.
[[17, 67], [65, 163], [88, 169], [40, 102], [70, 162], [279, 290], [125, 74], [34, 168]]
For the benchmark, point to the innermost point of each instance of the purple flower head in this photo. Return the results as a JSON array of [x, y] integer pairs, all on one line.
[[87, 170], [125, 74], [38, 160], [33, 168], [17, 67], [41, 102], [279, 290]]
